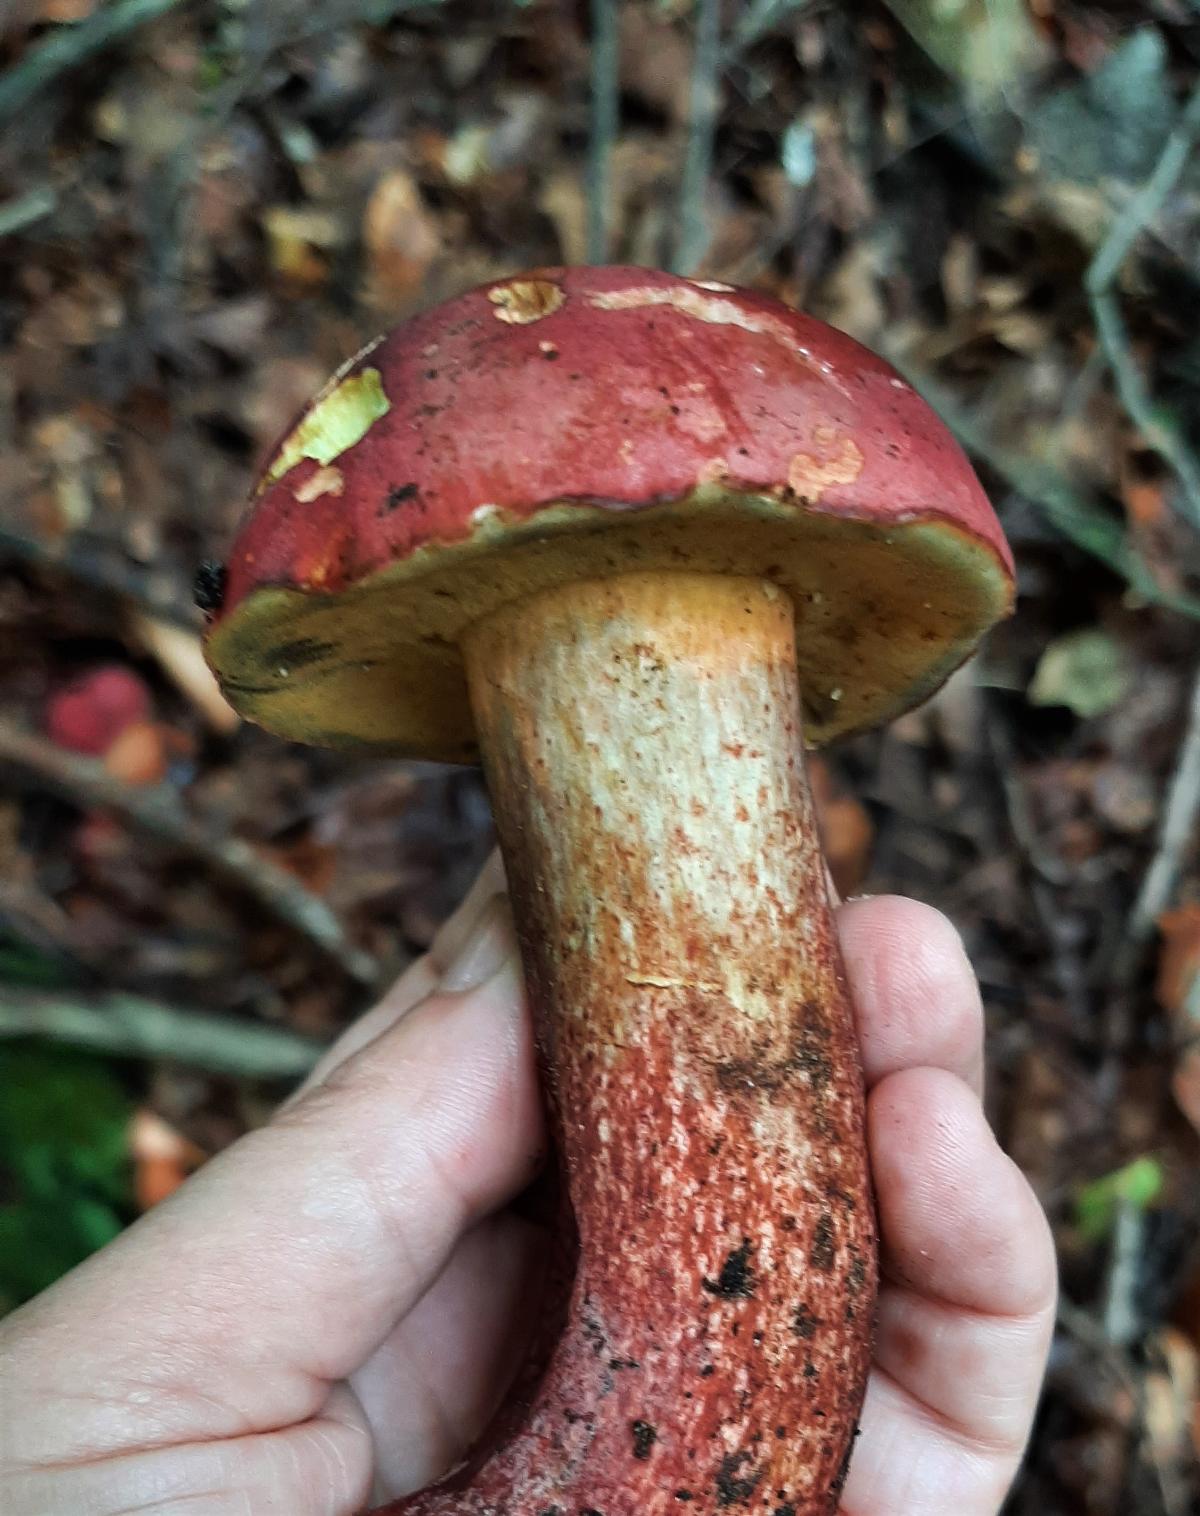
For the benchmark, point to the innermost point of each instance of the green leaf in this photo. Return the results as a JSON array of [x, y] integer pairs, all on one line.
[[1085, 671], [991, 46], [1138, 1184], [40, 1241], [64, 1164], [1111, 125]]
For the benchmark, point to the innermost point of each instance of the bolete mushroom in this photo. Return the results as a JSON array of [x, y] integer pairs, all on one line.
[[630, 538]]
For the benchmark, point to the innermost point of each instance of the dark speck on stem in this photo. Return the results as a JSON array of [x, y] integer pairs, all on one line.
[[736, 1279], [644, 1438]]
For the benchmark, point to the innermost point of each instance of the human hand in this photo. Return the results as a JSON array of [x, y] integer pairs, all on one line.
[[330, 1309]]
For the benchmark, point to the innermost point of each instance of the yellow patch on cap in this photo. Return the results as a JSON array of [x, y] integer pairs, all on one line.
[[809, 476], [338, 419], [525, 300]]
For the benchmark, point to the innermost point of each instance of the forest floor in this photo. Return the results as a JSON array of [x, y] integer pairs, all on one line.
[[206, 206]]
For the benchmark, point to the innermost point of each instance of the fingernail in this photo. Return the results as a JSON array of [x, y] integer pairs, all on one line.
[[489, 943], [454, 931]]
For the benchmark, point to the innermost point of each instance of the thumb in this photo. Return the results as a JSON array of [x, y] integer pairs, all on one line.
[[287, 1260]]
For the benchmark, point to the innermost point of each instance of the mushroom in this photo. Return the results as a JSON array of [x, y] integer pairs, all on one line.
[[93, 711], [631, 539]]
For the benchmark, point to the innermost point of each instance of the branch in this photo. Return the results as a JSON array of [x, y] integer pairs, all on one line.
[[68, 46], [103, 571], [702, 126], [604, 124], [1177, 832], [158, 813], [1121, 1316], [127, 1026], [24, 210], [1156, 425]]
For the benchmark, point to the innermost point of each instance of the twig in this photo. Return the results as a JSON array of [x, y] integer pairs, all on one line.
[[24, 210], [1079, 1324], [1176, 833], [1081, 519], [1159, 429], [702, 126], [69, 46], [604, 124], [1124, 1265], [1050, 869], [108, 575], [158, 813], [128, 1026]]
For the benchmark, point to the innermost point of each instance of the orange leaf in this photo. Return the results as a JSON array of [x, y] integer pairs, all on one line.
[[162, 1158], [1179, 958], [138, 754], [401, 237], [1143, 500], [845, 827]]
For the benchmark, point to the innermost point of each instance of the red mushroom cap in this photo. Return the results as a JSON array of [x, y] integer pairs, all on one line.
[[570, 423], [91, 712]]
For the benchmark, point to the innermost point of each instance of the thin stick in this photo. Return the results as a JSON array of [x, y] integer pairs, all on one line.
[[1156, 425], [105, 572], [702, 125], [69, 46], [24, 210], [605, 114], [158, 813], [128, 1026], [1177, 832], [1124, 1266]]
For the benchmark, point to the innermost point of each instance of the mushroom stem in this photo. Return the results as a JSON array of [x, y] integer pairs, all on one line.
[[643, 749]]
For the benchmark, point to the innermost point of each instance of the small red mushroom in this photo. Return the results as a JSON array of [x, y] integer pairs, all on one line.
[[106, 714], [631, 539], [90, 713]]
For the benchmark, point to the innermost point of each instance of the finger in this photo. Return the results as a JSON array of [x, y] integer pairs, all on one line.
[[965, 1313], [904, 1461], [959, 1221], [432, 1387], [321, 1467], [421, 978], [915, 995], [286, 1261]]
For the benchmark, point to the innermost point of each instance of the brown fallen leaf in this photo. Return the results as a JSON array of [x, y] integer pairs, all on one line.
[[845, 827], [312, 862], [1175, 989], [1170, 1402], [64, 11], [562, 198], [301, 241], [1179, 957], [401, 237]]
